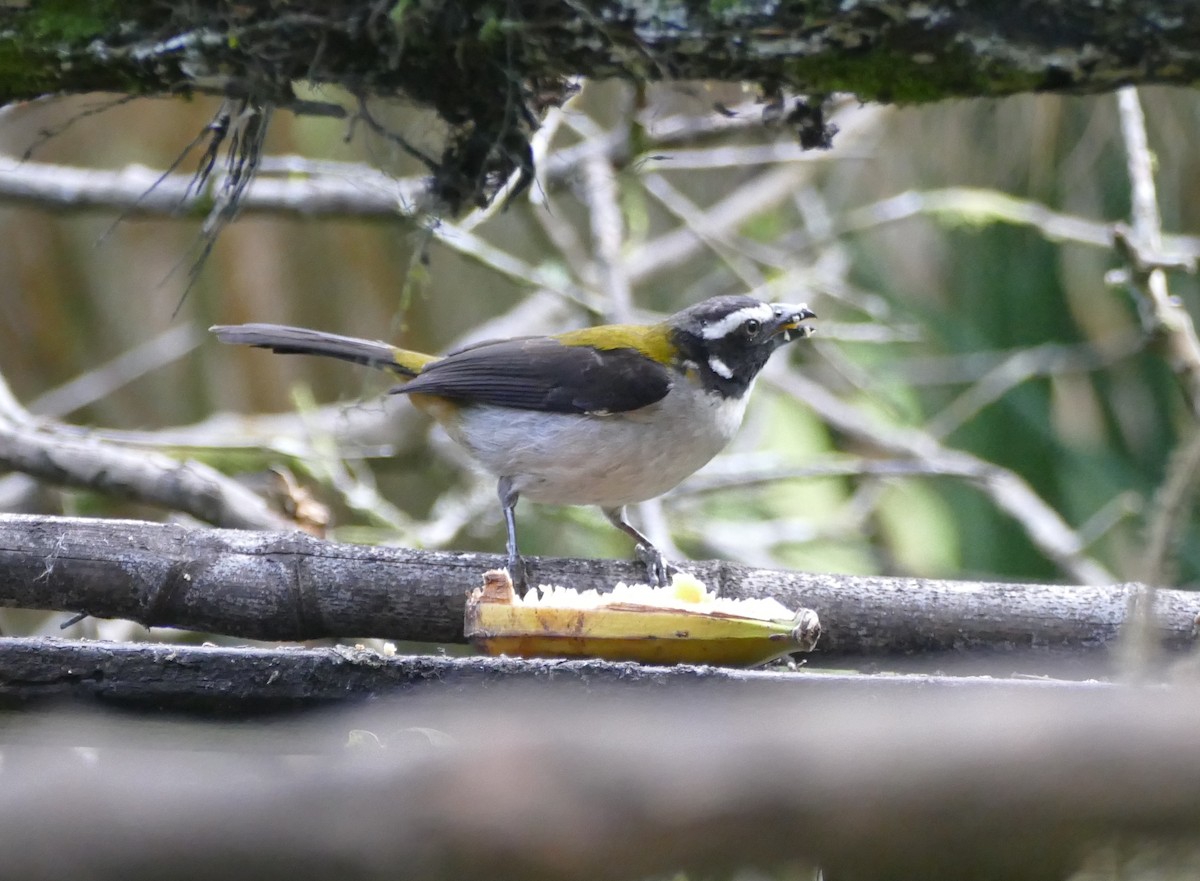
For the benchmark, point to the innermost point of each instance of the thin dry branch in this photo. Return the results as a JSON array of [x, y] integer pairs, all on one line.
[[1023, 365], [1007, 490], [325, 189], [291, 586], [1171, 505], [296, 185], [53, 456], [859, 128], [977, 205], [160, 350], [1163, 315]]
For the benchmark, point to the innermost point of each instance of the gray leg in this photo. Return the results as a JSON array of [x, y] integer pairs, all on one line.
[[658, 570], [516, 566]]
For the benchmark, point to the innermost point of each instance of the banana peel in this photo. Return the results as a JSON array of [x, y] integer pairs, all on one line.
[[682, 623]]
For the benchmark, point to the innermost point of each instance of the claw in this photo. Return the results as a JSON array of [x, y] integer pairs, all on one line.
[[658, 570], [519, 575]]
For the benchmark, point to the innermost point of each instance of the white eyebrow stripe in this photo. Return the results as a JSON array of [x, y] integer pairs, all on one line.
[[722, 328], [719, 367]]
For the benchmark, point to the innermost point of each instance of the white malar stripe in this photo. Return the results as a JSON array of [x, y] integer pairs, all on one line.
[[719, 367], [719, 329]]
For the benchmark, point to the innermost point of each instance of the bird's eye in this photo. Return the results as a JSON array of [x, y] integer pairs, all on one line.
[[753, 325]]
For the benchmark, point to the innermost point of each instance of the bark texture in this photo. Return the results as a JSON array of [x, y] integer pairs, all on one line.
[[455, 55], [289, 586], [247, 682], [489, 70]]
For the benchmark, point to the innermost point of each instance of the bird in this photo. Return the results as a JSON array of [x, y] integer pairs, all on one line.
[[608, 415]]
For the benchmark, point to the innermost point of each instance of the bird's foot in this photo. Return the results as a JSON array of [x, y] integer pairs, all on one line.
[[518, 575], [658, 570]]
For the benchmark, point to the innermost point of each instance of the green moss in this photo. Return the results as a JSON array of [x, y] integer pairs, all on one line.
[[718, 8], [17, 72], [72, 21], [399, 11], [492, 30], [894, 76], [44, 48]]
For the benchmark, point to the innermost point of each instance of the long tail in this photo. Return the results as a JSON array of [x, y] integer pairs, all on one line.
[[300, 341]]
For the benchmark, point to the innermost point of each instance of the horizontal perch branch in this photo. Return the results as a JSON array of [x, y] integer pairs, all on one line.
[[289, 586]]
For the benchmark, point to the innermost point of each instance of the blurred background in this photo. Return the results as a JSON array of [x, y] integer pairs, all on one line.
[[981, 400]]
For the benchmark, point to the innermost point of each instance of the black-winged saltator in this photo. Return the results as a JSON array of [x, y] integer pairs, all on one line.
[[605, 416]]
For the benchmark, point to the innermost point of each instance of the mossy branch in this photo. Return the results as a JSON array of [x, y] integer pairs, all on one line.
[[489, 70]]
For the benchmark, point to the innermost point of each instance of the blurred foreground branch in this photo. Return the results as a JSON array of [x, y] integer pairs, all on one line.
[[291, 587], [554, 784]]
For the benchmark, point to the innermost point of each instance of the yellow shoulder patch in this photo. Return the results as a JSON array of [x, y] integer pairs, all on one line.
[[412, 362], [652, 341]]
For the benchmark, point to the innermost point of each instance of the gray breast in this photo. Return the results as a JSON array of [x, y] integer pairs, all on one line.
[[611, 460]]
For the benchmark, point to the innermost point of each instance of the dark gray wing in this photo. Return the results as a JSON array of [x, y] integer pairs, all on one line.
[[540, 373]]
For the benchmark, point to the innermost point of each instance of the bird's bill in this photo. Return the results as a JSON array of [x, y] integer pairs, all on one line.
[[788, 321]]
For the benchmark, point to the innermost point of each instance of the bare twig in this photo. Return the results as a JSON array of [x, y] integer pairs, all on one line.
[[1171, 505], [976, 205], [1169, 322], [170, 345], [153, 478], [1163, 315], [608, 239], [709, 229], [1044, 526], [312, 188], [480, 250], [1043, 360], [1023, 365], [137, 191], [858, 127], [744, 471], [675, 248]]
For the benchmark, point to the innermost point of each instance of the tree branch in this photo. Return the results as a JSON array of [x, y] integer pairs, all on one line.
[[256, 682], [151, 477], [489, 72], [441, 53], [336, 190], [294, 587]]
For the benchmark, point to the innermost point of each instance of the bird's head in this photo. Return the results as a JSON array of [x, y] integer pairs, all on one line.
[[730, 338]]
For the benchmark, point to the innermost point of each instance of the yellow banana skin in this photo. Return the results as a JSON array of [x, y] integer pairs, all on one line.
[[496, 623]]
